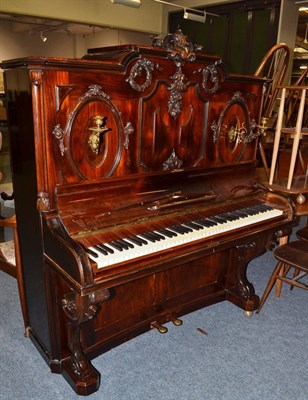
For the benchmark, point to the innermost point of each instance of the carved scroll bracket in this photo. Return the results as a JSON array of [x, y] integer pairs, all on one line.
[[128, 130], [245, 253], [59, 135], [80, 309]]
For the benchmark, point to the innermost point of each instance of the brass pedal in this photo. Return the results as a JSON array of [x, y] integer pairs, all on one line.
[[175, 321], [160, 328]]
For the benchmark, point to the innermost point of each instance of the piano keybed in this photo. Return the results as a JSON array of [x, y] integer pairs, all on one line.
[[135, 242]]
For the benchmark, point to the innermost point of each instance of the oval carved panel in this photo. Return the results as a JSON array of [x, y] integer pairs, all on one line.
[[94, 136], [232, 129]]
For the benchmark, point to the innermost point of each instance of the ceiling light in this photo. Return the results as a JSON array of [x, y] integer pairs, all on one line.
[[303, 67], [43, 37], [129, 3], [194, 17]]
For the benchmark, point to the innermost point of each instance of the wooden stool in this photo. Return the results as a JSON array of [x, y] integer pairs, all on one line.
[[289, 255]]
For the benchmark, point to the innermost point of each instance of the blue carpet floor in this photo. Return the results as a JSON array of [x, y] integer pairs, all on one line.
[[260, 358]]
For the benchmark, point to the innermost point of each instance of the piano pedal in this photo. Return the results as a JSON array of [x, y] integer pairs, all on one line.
[[174, 320], [160, 328]]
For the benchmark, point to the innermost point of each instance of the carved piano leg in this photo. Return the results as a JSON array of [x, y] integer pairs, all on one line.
[[240, 291], [77, 369]]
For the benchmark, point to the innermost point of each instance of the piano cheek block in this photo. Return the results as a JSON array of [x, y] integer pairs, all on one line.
[[141, 203]]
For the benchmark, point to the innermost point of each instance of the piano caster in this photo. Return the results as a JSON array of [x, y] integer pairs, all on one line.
[[160, 328], [248, 314], [175, 321]]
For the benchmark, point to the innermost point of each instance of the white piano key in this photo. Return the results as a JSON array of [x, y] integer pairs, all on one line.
[[153, 247]]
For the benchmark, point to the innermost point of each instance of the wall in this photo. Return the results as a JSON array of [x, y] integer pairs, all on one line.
[[147, 18], [22, 44]]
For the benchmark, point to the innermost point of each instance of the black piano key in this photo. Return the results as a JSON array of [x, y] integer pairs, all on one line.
[[241, 214], [180, 229], [159, 235], [194, 225], [149, 237], [127, 244], [115, 245], [205, 222], [91, 252], [228, 216], [106, 248], [154, 236], [249, 211], [167, 232], [121, 243], [216, 219], [98, 248], [233, 216], [135, 240]]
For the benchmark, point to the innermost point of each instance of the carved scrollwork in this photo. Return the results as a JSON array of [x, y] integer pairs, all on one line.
[[43, 202], [128, 130], [172, 162], [179, 46], [80, 309], [180, 50], [179, 85], [142, 64], [245, 252], [94, 90], [243, 133], [59, 135]]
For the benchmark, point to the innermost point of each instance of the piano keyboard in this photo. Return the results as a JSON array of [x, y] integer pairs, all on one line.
[[117, 251]]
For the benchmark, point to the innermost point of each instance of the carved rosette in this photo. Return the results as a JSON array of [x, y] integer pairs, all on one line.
[[172, 162]]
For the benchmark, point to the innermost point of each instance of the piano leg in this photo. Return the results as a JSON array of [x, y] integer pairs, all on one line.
[[77, 369], [240, 291]]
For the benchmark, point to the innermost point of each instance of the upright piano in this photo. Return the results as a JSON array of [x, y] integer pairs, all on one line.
[[137, 202]]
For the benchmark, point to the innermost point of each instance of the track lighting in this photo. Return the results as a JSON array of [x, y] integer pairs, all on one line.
[[43, 37], [129, 3], [189, 13], [194, 17]]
